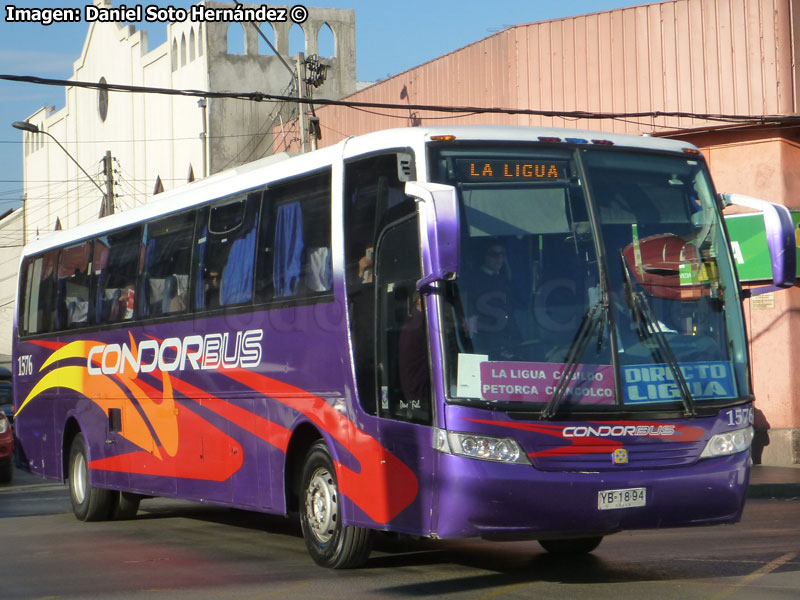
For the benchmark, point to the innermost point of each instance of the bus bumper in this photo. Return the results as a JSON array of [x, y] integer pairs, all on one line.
[[496, 501]]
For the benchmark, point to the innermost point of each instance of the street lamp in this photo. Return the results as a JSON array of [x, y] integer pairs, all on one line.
[[31, 128]]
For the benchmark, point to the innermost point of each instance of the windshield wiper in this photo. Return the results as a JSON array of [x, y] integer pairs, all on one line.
[[648, 326], [595, 318]]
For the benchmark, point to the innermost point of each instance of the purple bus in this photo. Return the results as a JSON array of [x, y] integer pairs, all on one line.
[[511, 333]]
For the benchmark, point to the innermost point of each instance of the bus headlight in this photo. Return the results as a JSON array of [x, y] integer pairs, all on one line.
[[727, 443], [481, 447]]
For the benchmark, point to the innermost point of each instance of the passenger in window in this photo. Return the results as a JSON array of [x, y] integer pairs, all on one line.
[[121, 304], [212, 289], [178, 302], [412, 358], [128, 298], [491, 321], [365, 266]]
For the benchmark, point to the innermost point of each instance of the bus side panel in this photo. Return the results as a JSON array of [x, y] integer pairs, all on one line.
[[405, 486], [220, 433], [37, 437]]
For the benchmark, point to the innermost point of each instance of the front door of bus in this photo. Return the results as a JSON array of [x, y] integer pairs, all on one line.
[[402, 371]]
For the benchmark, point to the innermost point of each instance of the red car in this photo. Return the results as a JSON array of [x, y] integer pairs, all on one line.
[[6, 450]]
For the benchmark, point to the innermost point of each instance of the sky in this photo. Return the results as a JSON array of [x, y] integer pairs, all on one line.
[[390, 38]]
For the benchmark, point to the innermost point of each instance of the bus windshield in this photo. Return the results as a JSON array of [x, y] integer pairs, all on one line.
[[592, 279]]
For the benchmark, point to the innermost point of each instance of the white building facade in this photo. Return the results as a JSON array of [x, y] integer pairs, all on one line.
[[158, 142]]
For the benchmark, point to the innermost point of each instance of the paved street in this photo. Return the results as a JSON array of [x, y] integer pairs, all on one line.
[[180, 550]]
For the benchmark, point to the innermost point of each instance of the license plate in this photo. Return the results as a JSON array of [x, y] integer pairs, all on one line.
[[611, 499]]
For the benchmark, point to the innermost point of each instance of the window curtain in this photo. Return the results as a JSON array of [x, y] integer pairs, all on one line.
[[237, 276], [288, 250]]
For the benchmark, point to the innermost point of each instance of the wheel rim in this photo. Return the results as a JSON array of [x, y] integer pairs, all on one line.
[[322, 507], [79, 478]]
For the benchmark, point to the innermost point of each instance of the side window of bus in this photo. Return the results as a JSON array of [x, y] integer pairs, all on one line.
[[225, 251], [294, 258], [39, 302], [116, 266], [372, 189], [403, 372], [73, 286], [164, 284]]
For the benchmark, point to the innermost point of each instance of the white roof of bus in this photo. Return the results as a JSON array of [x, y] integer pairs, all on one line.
[[283, 166]]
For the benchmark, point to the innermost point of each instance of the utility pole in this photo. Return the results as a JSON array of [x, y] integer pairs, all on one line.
[[203, 103], [303, 115], [108, 205], [24, 199], [314, 74]]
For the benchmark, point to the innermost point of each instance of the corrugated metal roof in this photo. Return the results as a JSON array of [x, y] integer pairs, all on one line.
[[693, 56]]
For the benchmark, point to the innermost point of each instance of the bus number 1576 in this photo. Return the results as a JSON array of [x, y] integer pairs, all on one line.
[[25, 365]]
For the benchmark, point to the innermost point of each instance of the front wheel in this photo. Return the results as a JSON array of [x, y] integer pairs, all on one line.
[[571, 547], [88, 503], [329, 543]]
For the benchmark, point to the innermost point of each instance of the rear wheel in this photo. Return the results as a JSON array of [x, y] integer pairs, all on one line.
[[88, 503], [329, 543], [574, 547]]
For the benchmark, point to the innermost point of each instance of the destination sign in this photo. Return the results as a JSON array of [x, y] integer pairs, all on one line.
[[511, 170]]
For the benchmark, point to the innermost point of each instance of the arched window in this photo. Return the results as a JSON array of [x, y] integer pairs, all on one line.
[[158, 187], [297, 40], [183, 49], [192, 43], [326, 42], [190, 175], [174, 54], [200, 40], [269, 32], [236, 39]]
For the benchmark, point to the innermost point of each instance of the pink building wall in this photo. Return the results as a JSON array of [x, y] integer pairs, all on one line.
[[765, 163], [694, 56]]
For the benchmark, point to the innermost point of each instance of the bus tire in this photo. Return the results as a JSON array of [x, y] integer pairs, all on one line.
[[573, 547], [88, 503], [329, 543], [126, 506]]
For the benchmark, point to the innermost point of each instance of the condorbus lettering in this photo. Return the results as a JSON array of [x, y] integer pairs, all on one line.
[[240, 349], [211, 355], [169, 354], [580, 431], [193, 356], [152, 346]]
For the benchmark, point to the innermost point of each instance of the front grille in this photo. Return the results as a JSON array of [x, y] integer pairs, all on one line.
[[600, 457]]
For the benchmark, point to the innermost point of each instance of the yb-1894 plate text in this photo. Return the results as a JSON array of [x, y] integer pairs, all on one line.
[[610, 499]]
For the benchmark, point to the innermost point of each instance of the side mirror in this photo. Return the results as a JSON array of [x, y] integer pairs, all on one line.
[[780, 236], [439, 230]]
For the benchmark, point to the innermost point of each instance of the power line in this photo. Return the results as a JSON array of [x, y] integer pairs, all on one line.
[[264, 97], [141, 140]]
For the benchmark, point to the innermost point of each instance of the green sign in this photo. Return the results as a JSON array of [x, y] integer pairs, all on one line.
[[749, 245]]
